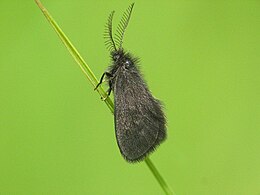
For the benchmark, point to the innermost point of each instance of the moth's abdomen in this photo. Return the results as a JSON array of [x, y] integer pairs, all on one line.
[[139, 120]]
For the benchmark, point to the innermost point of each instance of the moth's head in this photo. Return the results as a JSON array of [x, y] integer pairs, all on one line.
[[121, 58], [117, 55]]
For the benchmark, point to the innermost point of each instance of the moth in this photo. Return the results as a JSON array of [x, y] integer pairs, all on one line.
[[140, 124]]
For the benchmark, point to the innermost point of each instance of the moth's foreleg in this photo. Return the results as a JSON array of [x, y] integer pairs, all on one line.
[[107, 74], [108, 91]]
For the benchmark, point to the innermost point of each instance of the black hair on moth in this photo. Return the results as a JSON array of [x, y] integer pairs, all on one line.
[[140, 123]]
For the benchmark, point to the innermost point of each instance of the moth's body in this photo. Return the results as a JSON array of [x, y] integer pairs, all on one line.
[[139, 120], [140, 124]]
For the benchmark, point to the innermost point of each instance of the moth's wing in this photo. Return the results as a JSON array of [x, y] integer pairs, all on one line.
[[139, 120]]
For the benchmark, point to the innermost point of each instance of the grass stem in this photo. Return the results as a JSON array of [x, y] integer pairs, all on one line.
[[158, 177]]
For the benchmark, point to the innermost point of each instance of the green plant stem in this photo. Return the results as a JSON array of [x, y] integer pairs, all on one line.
[[93, 80], [75, 54], [159, 178]]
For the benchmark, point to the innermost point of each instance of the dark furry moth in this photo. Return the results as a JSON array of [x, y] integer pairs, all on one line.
[[140, 124]]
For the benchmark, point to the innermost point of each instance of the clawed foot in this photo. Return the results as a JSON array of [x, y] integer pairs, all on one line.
[[97, 86], [104, 98]]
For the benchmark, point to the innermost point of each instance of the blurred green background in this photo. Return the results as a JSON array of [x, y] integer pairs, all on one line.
[[201, 58]]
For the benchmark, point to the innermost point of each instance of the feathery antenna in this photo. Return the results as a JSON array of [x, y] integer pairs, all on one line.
[[108, 33], [122, 26]]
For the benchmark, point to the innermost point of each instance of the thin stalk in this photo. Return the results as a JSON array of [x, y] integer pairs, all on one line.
[[159, 178], [93, 80], [75, 54]]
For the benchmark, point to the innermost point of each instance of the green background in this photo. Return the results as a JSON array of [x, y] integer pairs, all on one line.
[[201, 58]]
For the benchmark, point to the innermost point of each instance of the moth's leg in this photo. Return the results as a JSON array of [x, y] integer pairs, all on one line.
[[108, 91], [102, 77]]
